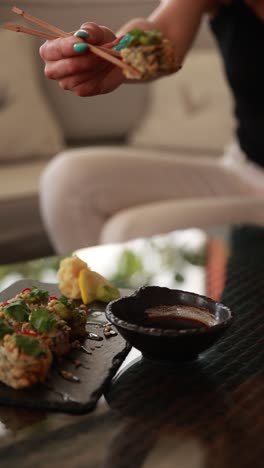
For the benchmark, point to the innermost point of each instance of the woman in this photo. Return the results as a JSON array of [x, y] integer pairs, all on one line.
[[91, 196]]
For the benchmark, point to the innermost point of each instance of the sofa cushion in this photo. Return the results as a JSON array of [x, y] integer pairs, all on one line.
[[28, 128], [20, 179], [189, 111], [22, 235]]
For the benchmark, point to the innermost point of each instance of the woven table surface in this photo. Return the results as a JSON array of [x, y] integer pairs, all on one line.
[[219, 398]]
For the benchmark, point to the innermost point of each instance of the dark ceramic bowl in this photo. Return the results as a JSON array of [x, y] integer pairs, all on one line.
[[169, 324]]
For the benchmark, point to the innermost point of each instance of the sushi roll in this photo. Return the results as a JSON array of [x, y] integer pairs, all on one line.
[[34, 320], [52, 331], [149, 52], [74, 315], [5, 329], [24, 360], [15, 312], [34, 296]]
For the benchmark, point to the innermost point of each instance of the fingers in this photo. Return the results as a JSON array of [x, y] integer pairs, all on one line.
[[113, 43], [68, 61], [87, 84], [83, 84], [74, 66], [59, 49], [98, 34], [64, 47]]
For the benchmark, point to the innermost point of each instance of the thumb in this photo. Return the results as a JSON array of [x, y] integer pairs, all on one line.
[[98, 34]]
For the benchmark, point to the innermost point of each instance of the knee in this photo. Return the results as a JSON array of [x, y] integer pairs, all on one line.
[[60, 172], [84, 167]]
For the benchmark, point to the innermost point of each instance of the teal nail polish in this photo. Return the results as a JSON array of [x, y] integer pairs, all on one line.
[[118, 47], [125, 41], [82, 33], [80, 47]]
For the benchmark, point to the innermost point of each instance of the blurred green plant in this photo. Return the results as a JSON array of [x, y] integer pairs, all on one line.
[[32, 269], [128, 266], [198, 258], [131, 270]]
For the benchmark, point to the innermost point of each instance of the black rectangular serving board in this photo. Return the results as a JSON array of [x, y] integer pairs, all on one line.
[[95, 372]]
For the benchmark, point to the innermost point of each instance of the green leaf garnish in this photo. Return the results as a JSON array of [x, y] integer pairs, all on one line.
[[63, 311], [42, 320], [67, 302], [38, 295], [5, 329], [29, 345], [17, 310], [140, 37]]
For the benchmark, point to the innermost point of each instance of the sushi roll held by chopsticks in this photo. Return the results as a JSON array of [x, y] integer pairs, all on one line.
[[149, 52]]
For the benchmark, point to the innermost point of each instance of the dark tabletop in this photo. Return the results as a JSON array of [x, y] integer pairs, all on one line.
[[205, 414]]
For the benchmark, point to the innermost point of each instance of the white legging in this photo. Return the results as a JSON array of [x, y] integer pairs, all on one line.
[[82, 190]]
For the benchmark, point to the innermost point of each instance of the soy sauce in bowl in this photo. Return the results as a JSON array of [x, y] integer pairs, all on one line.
[[169, 324], [176, 317]]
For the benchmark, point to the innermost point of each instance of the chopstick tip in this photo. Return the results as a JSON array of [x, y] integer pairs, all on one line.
[[11, 27], [17, 10]]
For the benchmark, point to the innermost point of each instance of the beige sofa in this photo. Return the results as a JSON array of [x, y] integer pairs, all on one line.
[[38, 120]]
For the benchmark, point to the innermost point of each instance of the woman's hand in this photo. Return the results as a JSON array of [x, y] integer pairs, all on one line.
[[69, 62]]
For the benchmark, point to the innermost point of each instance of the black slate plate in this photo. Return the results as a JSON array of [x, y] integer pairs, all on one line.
[[95, 372]]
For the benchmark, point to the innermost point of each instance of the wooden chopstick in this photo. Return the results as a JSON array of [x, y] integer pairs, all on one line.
[[99, 51], [32, 32], [115, 53], [114, 60], [50, 37], [39, 22], [50, 27]]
